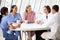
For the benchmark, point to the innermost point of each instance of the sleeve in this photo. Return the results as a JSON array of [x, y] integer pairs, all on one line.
[[1, 24], [9, 21]]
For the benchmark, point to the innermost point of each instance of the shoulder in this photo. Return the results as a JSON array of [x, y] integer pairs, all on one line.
[[4, 18], [9, 16]]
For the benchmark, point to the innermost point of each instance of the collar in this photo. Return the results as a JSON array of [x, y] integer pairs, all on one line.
[[12, 15]]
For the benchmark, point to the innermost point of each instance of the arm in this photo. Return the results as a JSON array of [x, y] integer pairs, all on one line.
[[50, 21], [11, 26]]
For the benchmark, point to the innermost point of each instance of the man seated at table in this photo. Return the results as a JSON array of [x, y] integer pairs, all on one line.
[[56, 19]]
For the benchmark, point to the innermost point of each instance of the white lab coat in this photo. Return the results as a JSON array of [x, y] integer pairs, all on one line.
[[43, 17], [52, 23], [57, 34]]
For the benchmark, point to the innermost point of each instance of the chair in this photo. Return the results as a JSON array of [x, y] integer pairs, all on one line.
[[47, 36], [1, 35], [50, 35]]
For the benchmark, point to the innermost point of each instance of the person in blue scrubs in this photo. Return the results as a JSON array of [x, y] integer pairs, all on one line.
[[12, 18], [4, 13], [4, 25]]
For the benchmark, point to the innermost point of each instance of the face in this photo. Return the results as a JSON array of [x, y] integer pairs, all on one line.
[[53, 11], [7, 13], [15, 9], [45, 10], [29, 9]]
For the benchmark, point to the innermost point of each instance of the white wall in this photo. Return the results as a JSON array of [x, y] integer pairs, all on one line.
[[37, 5]]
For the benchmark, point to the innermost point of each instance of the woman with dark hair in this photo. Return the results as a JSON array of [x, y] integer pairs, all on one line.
[[3, 20], [43, 20], [4, 13], [29, 15], [13, 17]]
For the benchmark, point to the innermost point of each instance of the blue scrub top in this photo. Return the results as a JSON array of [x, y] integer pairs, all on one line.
[[12, 18], [4, 26], [6, 20]]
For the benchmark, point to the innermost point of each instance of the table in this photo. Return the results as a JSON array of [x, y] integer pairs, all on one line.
[[30, 27]]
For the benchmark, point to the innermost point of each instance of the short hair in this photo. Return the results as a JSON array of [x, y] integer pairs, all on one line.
[[4, 10], [56, 8], [48, 8]]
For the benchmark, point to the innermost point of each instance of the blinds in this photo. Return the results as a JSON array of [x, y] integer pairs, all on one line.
[[37, 5]]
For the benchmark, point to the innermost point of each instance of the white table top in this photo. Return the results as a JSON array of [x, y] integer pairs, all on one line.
[[30, 27]]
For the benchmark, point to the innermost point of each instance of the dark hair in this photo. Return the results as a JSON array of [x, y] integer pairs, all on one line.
[[27, 7], [0, 17], [56, 8], [12, 7], [3, 12], [48, 8]]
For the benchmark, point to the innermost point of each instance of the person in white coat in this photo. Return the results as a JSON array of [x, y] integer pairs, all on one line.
[[53, 21], [46, 15], [42, 20]]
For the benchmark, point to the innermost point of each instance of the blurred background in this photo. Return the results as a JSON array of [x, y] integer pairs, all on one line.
[[37, 5]]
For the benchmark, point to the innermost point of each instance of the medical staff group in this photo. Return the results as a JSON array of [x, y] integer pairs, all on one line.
[[49, 17]]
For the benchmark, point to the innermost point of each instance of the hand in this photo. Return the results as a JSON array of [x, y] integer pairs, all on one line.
[[18, 26], [21, 21], [40, 22]]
